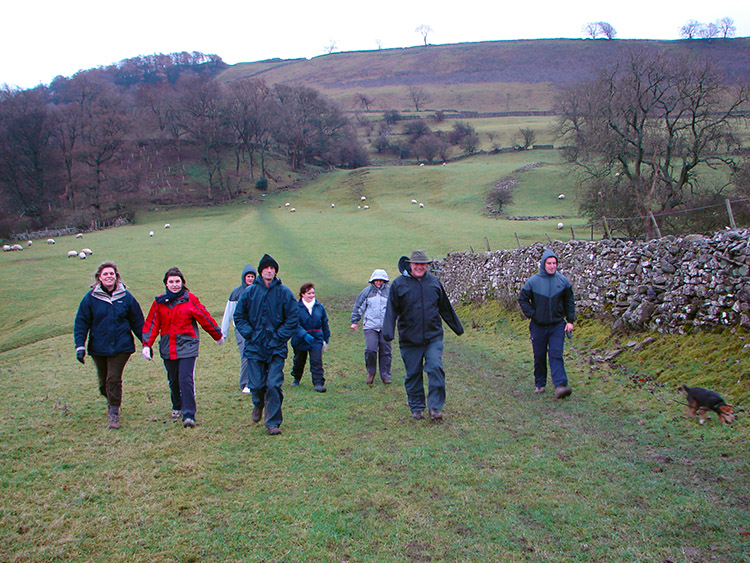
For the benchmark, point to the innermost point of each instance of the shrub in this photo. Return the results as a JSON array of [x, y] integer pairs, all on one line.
[[262, 183]]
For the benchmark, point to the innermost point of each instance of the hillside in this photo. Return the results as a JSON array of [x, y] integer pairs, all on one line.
[[486, 76]]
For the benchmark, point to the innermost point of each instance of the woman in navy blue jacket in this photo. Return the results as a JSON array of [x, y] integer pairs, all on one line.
[[311, 338], [108, 316]]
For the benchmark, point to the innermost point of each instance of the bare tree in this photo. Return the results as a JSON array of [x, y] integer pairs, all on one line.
[[646, 130], [331, 47], [527, 136], [418, 96], [363, 100], [599, 29], [691, 29], [424, 30], [726, 27], [591, 30], [607, 30], [708, 31]]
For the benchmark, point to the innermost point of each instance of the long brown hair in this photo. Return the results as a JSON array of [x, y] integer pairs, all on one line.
[[175, 271], [305, 288], [107, 264]]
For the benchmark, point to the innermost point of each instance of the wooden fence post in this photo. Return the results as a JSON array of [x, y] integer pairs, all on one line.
[[656, 225], [732, 224], [606, 228]]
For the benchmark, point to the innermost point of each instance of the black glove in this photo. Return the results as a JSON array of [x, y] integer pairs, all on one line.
[[80, 355]]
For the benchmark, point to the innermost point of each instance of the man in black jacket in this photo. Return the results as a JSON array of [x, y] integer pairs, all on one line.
[[419, 302]]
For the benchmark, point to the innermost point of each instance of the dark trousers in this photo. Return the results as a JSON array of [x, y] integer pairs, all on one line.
[[377, 351], [316, 365], [548, 341], [181, 377], [427, 358], [109, 369], [266, 379]]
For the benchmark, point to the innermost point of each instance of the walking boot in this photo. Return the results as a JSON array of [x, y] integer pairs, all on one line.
[[114, 417], [257, 414], [370, 378]]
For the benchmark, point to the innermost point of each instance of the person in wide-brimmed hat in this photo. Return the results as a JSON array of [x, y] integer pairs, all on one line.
[[419, 303], [370, 308]]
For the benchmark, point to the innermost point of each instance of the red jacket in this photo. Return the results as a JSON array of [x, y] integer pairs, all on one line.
[[178, 322]]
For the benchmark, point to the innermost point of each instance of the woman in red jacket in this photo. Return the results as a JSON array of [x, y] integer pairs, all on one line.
[[176, 315]]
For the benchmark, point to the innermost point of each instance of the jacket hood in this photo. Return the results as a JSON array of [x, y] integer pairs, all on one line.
[[403, 266], [248, 269], [379, 275], [548, 253]]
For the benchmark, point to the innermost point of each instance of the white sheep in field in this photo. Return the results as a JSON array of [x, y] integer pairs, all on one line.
[[6, 248], [29, 243], [363, 198], [82, 255], [366, 207], [79, 235], [414, 201], [72, 253], [167, 226], [561, 196], [287, 204], [292, 210], [16, 247], [560, 226], [87, 251], [333, 205], [421, 205], [50, 241], [421, 163], [151, 233]]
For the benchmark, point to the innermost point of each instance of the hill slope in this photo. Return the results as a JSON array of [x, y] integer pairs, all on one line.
[[486, 76]]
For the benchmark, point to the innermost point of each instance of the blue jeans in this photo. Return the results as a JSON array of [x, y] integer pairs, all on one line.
[[181, 377], [266, 379], [548, 340], [427, 358]]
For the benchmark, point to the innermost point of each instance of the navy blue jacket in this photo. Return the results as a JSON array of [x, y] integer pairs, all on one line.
[[315, 324], [548, 299], [266, 317], [420, 305], [108, 321]]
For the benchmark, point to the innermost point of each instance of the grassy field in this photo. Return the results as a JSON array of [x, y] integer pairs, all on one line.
[[616, 473]]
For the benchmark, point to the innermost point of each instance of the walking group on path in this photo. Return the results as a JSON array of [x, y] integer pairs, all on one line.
[[267, 316]]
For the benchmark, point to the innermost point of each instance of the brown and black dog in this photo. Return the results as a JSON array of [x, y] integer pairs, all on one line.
[[700, 400]]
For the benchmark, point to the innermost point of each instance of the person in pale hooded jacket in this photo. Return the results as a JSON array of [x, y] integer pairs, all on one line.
[[369, 307], [248, 277]]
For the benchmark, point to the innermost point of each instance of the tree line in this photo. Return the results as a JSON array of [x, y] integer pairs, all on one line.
[[84, 148]]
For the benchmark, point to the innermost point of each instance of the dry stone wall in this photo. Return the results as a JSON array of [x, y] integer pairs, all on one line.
[[671, 285]]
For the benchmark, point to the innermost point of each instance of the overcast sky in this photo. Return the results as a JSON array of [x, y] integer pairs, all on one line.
[[43, 39]]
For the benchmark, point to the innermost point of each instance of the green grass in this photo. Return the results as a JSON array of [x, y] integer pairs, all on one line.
[[616, 473]]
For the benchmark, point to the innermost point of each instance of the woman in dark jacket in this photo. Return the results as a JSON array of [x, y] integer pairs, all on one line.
[[109, 316], [176, 315], [311, 338]]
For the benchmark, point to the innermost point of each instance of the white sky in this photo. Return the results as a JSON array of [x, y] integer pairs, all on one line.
[[42, 39]]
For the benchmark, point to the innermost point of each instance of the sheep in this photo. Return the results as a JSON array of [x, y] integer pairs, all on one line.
[[50, 241], [363, 198], [560, 226], [561, 196], [421, 205], [366, 207], [167, 226], [29, 243], [79, 235], [151, 233], [292, 210], [414, 201], [87, 251], [421, 163], [16, 247], [82, 255], [287, 204], [359, 207], [72, 253], [6, 248], [333, 205]]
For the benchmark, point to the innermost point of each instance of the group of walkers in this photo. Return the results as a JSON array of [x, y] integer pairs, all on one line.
[[267, 316]]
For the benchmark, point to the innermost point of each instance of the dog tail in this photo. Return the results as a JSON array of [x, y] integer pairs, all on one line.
[[686, 388]]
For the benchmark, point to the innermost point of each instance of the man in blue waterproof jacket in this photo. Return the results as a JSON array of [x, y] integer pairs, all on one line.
[[547, 299]]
